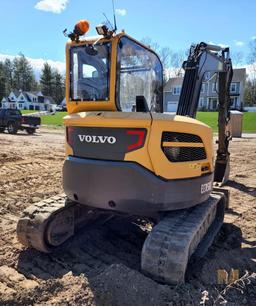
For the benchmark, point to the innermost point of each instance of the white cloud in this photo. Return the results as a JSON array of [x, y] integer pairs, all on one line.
[[121, 12], [253, 37], [220, 45], [38, 63], [54, 6], [239, 43]]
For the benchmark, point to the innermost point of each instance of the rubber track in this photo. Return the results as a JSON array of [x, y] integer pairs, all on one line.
[[31, 226], [174, 239]]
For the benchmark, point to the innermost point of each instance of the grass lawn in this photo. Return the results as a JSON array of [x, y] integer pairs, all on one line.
[[249, 123], [56, 119], [209, 118], [28, 111]]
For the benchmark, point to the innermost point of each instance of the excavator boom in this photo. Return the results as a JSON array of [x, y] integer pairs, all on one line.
[[204, 58]]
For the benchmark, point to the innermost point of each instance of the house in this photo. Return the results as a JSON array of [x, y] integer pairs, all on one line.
[[209, 91], [25, 100], [64, 103]]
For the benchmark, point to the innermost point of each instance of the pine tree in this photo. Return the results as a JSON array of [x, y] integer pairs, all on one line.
[[8, 67], [23, 76], [47, 80], [2, 81], [58, 87]]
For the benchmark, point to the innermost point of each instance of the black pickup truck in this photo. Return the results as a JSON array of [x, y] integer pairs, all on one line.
[[12, 120]]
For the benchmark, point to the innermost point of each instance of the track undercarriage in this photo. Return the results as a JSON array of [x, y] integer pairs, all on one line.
[[175, 238]]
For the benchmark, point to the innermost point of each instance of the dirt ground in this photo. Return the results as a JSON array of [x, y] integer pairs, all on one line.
[[101, 266]]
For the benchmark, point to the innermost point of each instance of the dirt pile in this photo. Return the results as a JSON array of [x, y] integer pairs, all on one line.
[[101, 266]]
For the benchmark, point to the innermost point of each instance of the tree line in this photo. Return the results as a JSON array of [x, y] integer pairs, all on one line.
[[18, 74], [250, 86], [172, 61]]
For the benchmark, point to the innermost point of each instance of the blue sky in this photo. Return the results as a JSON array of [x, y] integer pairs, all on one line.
[[35, 27]]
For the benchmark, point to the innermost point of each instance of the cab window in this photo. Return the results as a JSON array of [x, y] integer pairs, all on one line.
[[139, 73], [90, 72]]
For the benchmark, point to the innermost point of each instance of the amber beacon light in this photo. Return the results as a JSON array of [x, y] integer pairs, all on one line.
[[81, 27]]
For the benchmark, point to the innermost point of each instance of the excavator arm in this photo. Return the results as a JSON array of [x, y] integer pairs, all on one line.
[[209, 58]]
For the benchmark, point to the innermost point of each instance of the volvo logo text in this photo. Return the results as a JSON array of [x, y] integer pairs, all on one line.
[[97, 139]]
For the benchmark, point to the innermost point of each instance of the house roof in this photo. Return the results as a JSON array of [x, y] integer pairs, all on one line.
[[29, 95], [63, 102], [239, 75], [5, 99], [26, 94], [173, 81], [16, 92], [49, 98]]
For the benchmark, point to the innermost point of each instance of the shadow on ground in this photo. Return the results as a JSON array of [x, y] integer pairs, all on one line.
[[109, 257], [92, 250], [239, 186]]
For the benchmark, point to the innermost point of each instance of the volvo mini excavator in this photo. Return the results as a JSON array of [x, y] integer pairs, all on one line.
[[124, 155]]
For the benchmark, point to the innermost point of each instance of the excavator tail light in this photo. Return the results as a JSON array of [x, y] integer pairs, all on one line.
[[139, 141], [69, 132]]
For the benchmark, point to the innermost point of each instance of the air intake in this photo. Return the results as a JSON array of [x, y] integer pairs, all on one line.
[[182, 147]]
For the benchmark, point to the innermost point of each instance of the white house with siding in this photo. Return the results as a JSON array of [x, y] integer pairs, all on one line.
[[25, 100], [209, 92]]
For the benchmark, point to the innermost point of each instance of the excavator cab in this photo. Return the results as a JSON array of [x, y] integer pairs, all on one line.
[[109, 74]]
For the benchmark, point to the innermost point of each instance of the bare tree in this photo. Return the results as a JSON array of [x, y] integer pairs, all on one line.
[[177, 59], [252, 54], [164, 53], [250, 86], [237, 58]]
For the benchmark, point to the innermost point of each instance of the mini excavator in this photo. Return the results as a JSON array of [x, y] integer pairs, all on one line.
[[124, 155]]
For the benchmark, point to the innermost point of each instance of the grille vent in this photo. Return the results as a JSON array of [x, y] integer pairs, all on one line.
[[182, 153]]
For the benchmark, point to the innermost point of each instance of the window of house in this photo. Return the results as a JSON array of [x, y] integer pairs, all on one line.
[[176, 90], [233, 87], [203, 88], [21, 98], [233, 102], [20, 105], [214, 87], [201, 102], [207, 75]]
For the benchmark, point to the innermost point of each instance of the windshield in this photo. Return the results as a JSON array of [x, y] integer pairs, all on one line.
[[89, 72], [140, 74]]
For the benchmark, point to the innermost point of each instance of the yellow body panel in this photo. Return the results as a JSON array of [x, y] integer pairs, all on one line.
[[109, 119], [151, 155], [178, 170]]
